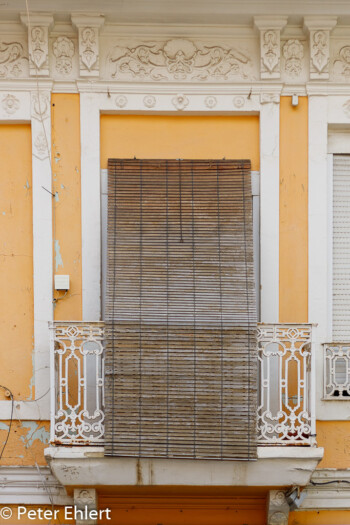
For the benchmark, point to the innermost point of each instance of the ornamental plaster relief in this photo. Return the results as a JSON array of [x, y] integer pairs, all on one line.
[[13, 59], [10, 104], [64, 63], [340, 69], [178, 59]]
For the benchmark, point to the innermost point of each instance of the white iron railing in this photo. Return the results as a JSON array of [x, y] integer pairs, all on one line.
[[336, 371], [77, 378], [286, 414]]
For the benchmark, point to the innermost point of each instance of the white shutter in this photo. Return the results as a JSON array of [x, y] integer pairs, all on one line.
[[341, 248]]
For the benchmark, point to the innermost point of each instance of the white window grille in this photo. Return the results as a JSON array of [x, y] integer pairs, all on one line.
[[337, 371]]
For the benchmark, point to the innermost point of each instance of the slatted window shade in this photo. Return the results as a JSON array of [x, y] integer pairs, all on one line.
[[181, 364], [341, 248]]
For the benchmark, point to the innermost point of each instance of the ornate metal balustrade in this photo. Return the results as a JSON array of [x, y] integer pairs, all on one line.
[[286, 414], [77, 375], [336, 371]]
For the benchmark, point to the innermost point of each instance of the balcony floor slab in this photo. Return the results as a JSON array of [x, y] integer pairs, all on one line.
[[275, 466]]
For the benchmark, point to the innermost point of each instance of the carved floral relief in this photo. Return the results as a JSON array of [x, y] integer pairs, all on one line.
[[88, 48], [270, 50], [293, 54], [177, 59], [319, 53], [39, 48], [10, 103], [13, 61], [63, 49]]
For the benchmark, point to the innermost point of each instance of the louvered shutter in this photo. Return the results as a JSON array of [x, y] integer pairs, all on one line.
[[181, 364], [341, 247]]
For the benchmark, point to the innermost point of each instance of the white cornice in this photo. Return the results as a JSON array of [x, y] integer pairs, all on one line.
[[317, 22], [31, 485], [270, 22], [331, 492]]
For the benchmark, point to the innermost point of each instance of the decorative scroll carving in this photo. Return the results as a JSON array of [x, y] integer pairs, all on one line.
[[40, 105], [319, 51], [10, 104], [63, 50], [85, 500], [180, 102], [39, 51], [210, 101], [270, 51], [41, 146], [149, 101], [177, 59], [293, 53], [88, 29], [12, 60], [342, 60]]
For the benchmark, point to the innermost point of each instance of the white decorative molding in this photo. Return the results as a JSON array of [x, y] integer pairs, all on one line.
[[278, 508], [178, 59], [239, 101], [180, 102], [121, 101], [38, 42], [319, 29], [210, 101], [88, 29], [31, 486], [269, 98], [331, 490], [293, 54], [341, 62], [63, 49], [85, 500], [10, 103], [13, 60], [346, 108], [270, 45], [40, 105], [149, 101]]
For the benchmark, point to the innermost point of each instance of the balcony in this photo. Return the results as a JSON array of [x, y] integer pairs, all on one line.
[[287, 454], [286, 389]]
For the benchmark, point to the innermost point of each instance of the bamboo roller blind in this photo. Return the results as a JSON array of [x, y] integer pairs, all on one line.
[[181, 364]]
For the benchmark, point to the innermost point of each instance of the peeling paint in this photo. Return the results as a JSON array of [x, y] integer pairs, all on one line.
[[3, 426], [35, 432], [32, 379], [27, 185], [62, 186], [4, 212], [56, 196], [58, 256]]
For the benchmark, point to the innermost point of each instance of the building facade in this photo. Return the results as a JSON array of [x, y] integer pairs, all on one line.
[[262, 84]]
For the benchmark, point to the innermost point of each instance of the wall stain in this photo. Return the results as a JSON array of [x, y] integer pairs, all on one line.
[[35, 432], [58, 256]]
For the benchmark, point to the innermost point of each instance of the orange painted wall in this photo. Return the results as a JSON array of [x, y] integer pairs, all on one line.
[[334, 436], [322, 517], [65, 138], [183, 137], [16, 260], [26, 443], [186, 510], [293, 238]]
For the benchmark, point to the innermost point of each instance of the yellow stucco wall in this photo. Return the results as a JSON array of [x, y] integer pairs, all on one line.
[[293, 238], [334, 436], [16, 261], [321, 517], [65, 138], [186, 137]]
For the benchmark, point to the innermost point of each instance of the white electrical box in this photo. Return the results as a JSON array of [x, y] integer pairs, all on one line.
[[61, 282]]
